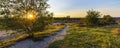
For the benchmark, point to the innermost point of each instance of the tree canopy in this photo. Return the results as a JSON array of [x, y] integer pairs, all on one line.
[[92, 17], [26, 15], [107, 19]]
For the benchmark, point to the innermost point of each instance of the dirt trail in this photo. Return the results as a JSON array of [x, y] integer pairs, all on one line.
[[41, 44]]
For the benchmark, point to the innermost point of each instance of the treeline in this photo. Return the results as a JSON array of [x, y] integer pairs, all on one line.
[[93, 18]]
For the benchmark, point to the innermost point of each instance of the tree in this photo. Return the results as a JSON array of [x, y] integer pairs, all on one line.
[[26, 15], [67, 19], [107, 19], [92, 18]]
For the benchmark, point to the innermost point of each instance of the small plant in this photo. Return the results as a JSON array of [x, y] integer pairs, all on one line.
[[116, 31]]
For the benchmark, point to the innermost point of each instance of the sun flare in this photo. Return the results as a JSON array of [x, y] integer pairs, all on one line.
[[30, 15]]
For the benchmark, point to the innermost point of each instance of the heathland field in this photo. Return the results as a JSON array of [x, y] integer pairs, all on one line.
[[90, 37]]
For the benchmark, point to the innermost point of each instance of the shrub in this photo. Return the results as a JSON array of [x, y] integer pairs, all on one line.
[[116, 31], [92, 18]]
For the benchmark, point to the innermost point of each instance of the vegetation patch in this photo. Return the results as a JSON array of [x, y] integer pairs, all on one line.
[[7, 43], [83, 37], [37, 36]]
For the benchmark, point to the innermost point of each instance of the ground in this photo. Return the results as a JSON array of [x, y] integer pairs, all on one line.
[[18, 38], [92, 37], [43, 43], [77, 37]]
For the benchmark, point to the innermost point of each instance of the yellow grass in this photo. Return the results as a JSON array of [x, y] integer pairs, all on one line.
[[51, 30]]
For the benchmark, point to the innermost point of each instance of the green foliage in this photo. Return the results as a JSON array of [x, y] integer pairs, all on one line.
[[92, 18], [15, 13], [56, 44], [83, 37], [107, 19]]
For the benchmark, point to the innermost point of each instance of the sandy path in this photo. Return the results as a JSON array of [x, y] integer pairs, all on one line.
[[7, 35], [41, 44]]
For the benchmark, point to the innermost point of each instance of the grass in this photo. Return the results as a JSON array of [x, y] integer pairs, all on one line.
[[7, 43], [83, 37], [2, 28], [37, 36], [51, 31]]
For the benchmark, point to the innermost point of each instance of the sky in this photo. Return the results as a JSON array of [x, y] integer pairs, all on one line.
[[78, 8]]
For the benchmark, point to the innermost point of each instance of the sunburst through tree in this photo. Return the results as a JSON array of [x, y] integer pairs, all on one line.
[[25, 15]]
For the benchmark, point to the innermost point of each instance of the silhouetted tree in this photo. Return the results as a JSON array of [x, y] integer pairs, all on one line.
[[67, 18]]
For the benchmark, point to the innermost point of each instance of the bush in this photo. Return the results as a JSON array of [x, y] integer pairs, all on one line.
[[92, 18], [116, 31]]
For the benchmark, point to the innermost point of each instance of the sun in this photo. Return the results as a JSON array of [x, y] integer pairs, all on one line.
[[30, 15]]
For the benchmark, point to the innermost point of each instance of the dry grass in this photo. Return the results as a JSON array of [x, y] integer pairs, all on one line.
[[13, 41], [116, 31], [50, 31]]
